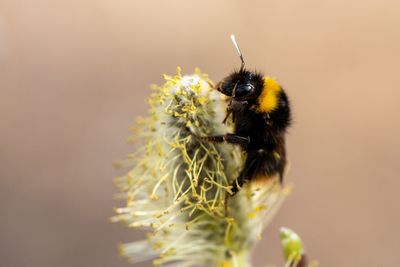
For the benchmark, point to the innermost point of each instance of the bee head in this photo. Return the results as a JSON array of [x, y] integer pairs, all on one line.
[[242, 85]]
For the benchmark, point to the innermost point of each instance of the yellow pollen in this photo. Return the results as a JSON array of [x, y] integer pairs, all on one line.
[[268, 100]]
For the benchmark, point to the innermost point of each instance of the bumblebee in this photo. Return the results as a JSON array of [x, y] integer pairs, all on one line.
[[261, 115]]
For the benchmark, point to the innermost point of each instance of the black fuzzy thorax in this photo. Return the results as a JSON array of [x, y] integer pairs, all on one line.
[[263, 128]]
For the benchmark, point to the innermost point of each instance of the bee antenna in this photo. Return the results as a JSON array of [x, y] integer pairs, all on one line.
[[238, 50]]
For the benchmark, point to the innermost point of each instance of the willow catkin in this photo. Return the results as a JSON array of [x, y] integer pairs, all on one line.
[[177, 183]]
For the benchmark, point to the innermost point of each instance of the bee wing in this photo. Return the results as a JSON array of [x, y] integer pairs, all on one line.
[[287, 167]]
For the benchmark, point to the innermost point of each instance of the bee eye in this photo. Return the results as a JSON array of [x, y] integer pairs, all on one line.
[[244, 90]]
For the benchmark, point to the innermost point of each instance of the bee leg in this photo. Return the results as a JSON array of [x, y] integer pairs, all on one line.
[[229, 138], [238, 184], [228, 113], [235, 187], [245, 175]]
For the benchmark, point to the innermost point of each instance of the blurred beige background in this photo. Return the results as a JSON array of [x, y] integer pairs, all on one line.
[[74, 75]]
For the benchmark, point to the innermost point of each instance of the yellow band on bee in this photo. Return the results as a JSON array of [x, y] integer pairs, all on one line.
[[268, 99]]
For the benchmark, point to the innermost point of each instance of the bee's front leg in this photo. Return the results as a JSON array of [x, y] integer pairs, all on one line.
[[234, 107], [228, 113]]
